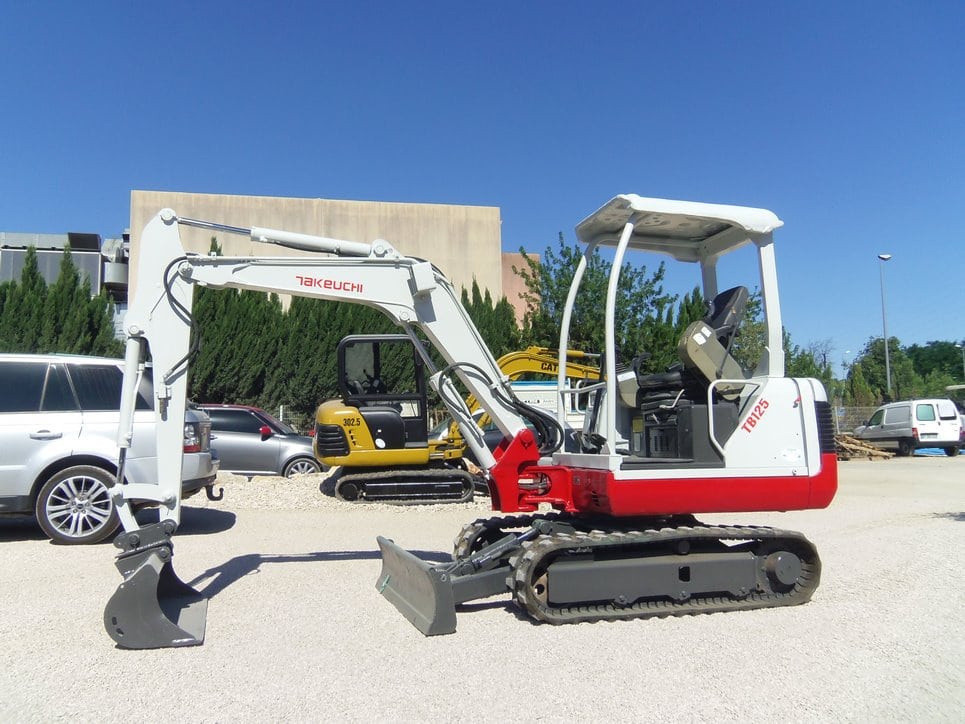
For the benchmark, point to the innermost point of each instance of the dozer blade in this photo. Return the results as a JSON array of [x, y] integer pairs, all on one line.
[[153, 608], [421, 593]]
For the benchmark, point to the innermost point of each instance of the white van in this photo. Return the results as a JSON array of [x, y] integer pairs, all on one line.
[[913, 425]]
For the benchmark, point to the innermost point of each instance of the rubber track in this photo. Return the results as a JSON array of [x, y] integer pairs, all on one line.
[[483, 531], [524, 563], [413, 478], [488, 530]]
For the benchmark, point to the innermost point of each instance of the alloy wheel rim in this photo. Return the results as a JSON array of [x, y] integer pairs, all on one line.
[[79, 506]]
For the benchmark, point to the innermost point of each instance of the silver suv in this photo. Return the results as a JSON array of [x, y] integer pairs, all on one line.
[[58, 443]]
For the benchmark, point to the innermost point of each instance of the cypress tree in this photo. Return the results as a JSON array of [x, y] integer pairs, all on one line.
[[9, 301], [26, 312], [100, 320]]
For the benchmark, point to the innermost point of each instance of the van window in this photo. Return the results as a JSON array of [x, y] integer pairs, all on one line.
[[925, 413], [946, 410], [898, 415]]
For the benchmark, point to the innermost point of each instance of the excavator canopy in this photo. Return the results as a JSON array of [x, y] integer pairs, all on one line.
[[686, 230]]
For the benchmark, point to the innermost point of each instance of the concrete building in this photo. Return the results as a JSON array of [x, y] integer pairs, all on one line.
[[513, 286], [463, 241]]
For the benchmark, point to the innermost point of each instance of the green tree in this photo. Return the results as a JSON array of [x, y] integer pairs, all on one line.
[[495, 322], [813, 361], [303, 373], [751, 339], [547, 281], [100, 319], [22, 324], [66, 324], [857, 390], [663, 329], [905, 381], [938, 357], [9, 294], [60, 318]]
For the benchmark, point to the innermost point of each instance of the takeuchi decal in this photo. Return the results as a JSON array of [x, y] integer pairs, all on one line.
[[333, 284]]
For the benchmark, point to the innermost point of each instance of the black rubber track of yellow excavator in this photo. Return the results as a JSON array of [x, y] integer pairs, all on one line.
[[529, 565], [407, 487]]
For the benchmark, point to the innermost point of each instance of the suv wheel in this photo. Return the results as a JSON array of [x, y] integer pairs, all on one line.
[[951, 451], [905, 448], [74, 506], [301, 466]]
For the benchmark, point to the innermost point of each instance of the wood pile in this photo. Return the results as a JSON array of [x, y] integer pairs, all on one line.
[[849, 447]]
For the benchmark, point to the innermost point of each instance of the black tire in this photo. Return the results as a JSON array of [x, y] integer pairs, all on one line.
[[951, 451], [301, 466], [74, 506], [905, 448]]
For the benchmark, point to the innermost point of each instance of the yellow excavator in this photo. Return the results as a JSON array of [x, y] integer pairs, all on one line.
[[378, 431]]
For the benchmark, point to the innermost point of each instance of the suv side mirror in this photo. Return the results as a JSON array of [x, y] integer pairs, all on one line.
[[265, 432]]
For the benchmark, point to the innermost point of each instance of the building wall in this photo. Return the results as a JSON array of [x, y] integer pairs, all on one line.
[[463, 241], [513, 286]]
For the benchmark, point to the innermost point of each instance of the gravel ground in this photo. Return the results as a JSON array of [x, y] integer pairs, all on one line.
[[297, 632]]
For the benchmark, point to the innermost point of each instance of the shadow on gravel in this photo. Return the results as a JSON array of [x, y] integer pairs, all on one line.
[[487, 605], [960, 517], [20, 528], [220, 577], [328, 484], [194, 521]]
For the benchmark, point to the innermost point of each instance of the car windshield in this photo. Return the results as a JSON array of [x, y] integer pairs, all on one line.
[[283, 427]]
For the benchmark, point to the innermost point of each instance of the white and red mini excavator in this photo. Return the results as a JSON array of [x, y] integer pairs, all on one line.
[[600, 520]]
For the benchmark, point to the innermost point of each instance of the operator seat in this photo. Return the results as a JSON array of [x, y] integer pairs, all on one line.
[[704, 352]]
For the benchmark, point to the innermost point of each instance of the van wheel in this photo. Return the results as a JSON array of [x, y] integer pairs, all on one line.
[[74, 506], [905, 448], [951, 451]]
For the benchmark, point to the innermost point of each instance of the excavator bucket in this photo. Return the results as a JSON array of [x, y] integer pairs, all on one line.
[[421, 593], [153, 608]]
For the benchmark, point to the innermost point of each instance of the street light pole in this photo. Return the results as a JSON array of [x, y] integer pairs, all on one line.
[[962, 347], [882, 258]]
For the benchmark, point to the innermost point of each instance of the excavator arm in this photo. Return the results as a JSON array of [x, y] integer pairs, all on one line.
[[577, 365], [543, 360], [413, 293]]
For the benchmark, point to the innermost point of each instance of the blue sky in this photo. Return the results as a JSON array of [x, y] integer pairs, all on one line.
[[847, 119]]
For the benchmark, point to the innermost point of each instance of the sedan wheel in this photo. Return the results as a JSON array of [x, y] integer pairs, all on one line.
[[74, 506], [301, 466]]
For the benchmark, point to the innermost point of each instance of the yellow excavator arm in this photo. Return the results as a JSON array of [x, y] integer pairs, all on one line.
[[545, 361]]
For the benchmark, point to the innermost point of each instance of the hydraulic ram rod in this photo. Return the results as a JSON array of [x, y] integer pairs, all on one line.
[[290, 239]]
